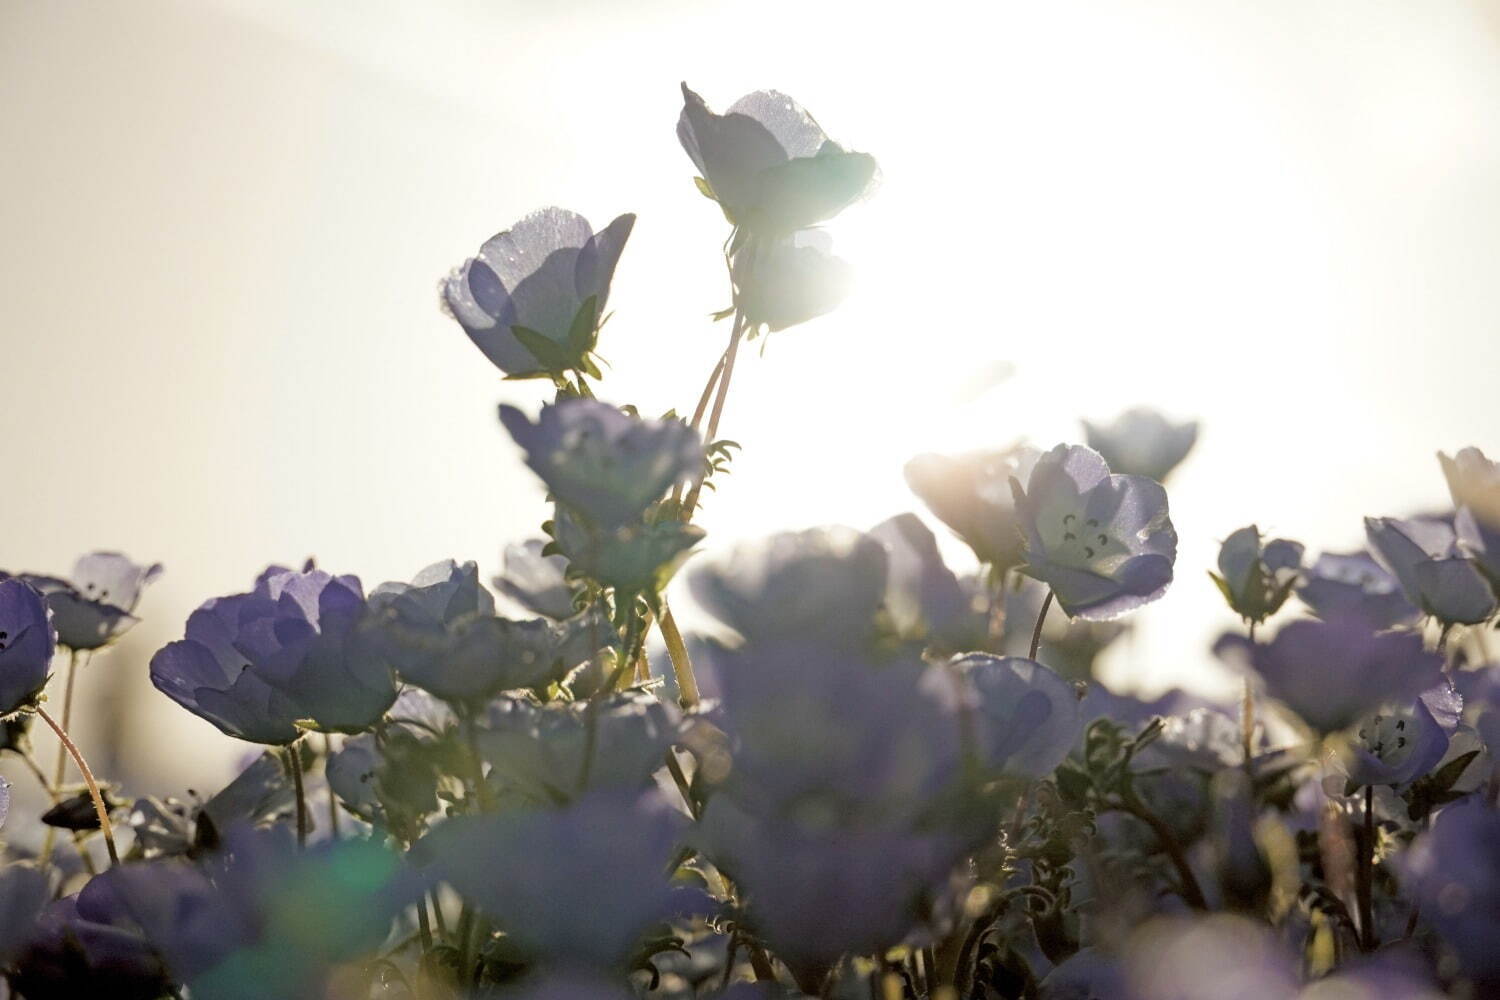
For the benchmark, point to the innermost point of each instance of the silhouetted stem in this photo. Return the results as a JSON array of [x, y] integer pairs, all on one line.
[[1247, 714], [711, 434], [294, 764], [88, 779], [333, 799], [682, 665], [1041, 619], [1365, 875], [1192, 893]]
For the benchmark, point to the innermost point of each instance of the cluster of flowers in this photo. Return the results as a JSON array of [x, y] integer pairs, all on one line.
[[878, 777]]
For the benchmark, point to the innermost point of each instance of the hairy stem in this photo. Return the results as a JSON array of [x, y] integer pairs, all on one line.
[[1041, 619], [88, 779]]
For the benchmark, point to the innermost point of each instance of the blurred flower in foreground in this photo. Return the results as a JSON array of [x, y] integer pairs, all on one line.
[[1332, 674], [1474, 482], [1142, 442], [1028, 717], [1454, 871], [1104, 543], [790, 279], [534, 297], [1257, 577], [826, 582], [27, 642], [1343, 585], [24, 891], [93, 607], [1423, 553], [538, 582], [768, 164], [971, 494], [604, 464], [923, 597]]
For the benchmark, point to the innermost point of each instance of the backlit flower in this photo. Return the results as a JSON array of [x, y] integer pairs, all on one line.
[[27, 642], [1255, 576], [1142, 442], [971, 494], [1424, 555]]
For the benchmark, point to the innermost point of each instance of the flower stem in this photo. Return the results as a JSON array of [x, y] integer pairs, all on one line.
[[1247, 714], [1365, 875], [294, 764], [333, 799], [682, 665], [1041, 618], [710, 435], [88, 779], [62, 753]]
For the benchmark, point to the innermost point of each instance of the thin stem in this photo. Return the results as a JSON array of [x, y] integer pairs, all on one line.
[[88, 779], [62, 753], [711, 434], [294, 764], [1247, 714], [424, 927], [1192, 893], [682, 665], [437, 915], [1036, 633], [333, 799], [1365, 875]]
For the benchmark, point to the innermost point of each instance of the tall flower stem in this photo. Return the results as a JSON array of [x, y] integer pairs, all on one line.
[[294, 764], [88, 779], [333, 799], [1041, 619], [711, 434], [682, 666], [62, 754], [1247, 714], [1365, 875]]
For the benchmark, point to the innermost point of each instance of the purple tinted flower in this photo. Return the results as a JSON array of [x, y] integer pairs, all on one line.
[[1343, 585], [352, 771], [768, 164], [1257, 577], [293, 651], [27, 642], [93, 607], [538, 582], [633, 559], [1219, 957], [1142, 442], [24, 891], [1104, 543], [1089, 974], [577, 886], [1332, 674], [971, 494], [1027, 716], [1423, 553], [922, 596], [533, 299], [825, 582], [790, 279], [604, 464], [1454, 872], [1395, 747]]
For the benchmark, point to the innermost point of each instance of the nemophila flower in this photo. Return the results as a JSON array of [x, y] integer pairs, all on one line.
[[604, 464], [1332, 674], [351, 772], [1027, 717], [1070, 647], [260, 794], [24, 891], [1142, 442], [27, 642], [633, 559], [1474, 482], [923, 598], [825, 582], [971, 494], [293, 651], [1454, 872], [1479, 539], [94, 605], [576, 886], [1256, 577], [538, 582], [1104, 543], [1353, 584], [546, 752], [768, 164], [1394, 747], [790, 279], [1423, 553], [534, 297]]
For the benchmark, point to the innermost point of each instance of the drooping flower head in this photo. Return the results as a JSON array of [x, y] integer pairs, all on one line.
[[27, 642], [533, 299], [1104, 543], [1332, 674], [971, 494], [293, 651], [1256, 577], [1353, 584], [93, 606], [790, 279], [1142, 442], [1424, 555], [768, 164], [604, 464]]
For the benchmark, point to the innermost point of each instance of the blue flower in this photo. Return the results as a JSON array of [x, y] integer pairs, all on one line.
[[576, 886], [538, 582], [826, 582], [602, 463], [1479, 540], [971, 494], [923, 598], [27, 642], [1333, 674], [1257, 577], [634, 559], [790, 279], [1342, 585], [1394, 747], [1027, 717], [1424, 555], [534, 297], [93, 607], [24, 891], [1454, 872], [768, 164], [1142, 442], [1104, 543]]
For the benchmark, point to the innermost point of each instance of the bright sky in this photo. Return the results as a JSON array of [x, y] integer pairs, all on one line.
[[226, 224]]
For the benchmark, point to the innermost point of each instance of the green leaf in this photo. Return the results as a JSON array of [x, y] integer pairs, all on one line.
[[547, 353], [584, 333], [704, 189], [1448, 776]]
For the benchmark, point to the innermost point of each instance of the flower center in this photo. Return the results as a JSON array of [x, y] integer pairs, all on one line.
[[1082, 540], [1387, 738]]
